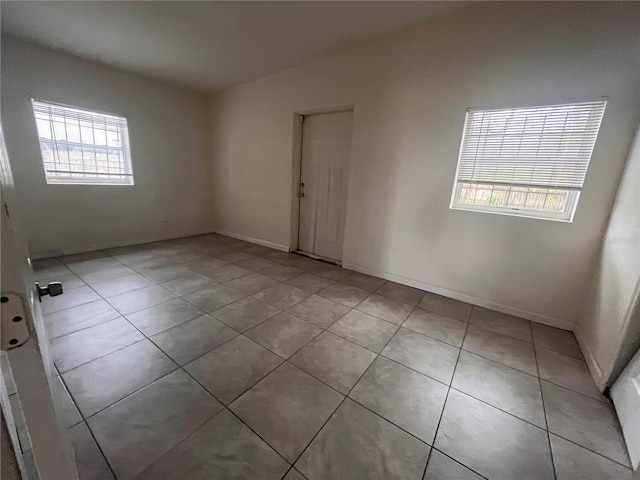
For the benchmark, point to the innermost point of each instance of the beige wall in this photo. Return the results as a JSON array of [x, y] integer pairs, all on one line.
[[610, 329], [167, 132], [410, 92]]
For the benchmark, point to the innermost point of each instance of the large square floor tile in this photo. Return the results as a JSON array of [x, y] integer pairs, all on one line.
[[162, 317], [252, 283], [441, 467], [356, 443], [77, 318], [503, 387], [281, 273], [223, 448], [71, 298], [364, 329], [492, 443], [89, 460], [213, 298], [362, 281], [334, 360], [385, 308], [406, 398], [193, 338], [255, 264], [188, 282], [102, 382], [140, 299], [424, 354], [568, 372], [437, 326], [287, 409], [283, 334], [344, 294], [585, 421], [555, 339], [226, 273], [245, 314], [233, 368], [282, 295], [309, 282], [137, 431], [85, 345], [446, 306], [401, 293], [572, 462], [502, 323], [111, 288], [502, 349], [318, 311]]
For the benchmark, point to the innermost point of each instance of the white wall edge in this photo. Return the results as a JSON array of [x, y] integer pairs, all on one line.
[[592, 362], [481, 302], [264, 243]]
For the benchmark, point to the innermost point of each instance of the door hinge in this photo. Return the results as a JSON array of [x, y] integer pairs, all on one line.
[[14, 330]]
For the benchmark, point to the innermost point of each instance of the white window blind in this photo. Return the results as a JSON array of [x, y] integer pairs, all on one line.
[[529, 161], [82, 146]]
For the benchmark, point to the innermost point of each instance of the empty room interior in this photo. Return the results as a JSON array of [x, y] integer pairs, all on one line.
[[320, 240]]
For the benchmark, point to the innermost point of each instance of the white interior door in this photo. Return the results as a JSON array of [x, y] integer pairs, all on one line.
[[29, 408], [324, 182], [626, 397]]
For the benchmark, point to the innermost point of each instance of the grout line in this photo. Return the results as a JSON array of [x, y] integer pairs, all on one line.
[[446, 399], [544, 410]]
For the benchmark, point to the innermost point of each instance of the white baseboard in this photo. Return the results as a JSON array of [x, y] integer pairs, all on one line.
[[257, 241], [592, 363], [481, 302]]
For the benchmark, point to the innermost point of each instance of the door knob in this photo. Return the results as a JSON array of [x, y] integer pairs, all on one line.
[[53, 289]]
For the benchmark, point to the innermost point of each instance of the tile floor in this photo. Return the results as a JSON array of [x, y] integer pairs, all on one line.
[[209, 357]]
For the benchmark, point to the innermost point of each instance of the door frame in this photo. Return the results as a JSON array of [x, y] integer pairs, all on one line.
[[298, 117]]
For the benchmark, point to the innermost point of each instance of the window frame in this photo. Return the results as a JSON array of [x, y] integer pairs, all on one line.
[[573, 195], [127, 178]]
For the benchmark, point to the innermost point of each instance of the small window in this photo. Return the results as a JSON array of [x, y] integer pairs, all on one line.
[[526, 161], [82, 146]]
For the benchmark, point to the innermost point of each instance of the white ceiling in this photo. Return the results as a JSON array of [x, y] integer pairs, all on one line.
[[209, 45]]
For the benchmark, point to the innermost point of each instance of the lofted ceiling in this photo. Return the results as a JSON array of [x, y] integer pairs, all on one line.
[[208, 45]]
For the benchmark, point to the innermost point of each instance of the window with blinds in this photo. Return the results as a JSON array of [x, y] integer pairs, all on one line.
[[528, 161], [82, 146]]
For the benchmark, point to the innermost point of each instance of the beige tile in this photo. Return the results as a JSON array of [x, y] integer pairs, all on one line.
[[245, 314], [362, 281], [437, 326], [158, 416], [77, 318], [89, 460], [188, 282], [572, 461], [406, 398], [477, 435], [287, 396], [441, 467], [233, 368], [102, 382], [281, 273], [385, 308], [319, 311], [555, 339], [71, 298], [501, 323], [309, 282], [356, 443], [223, 448], [334, 360], [446, 306], [193, 338], [425, 355], [161, 317], [364, 329], [213, 298], [344, 294], [111, 288], [140, 299], [585, 421], [567, 372], [283, 334], [503, 387], [506, 350], [281, 295], [252, 283], [401, 293]]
